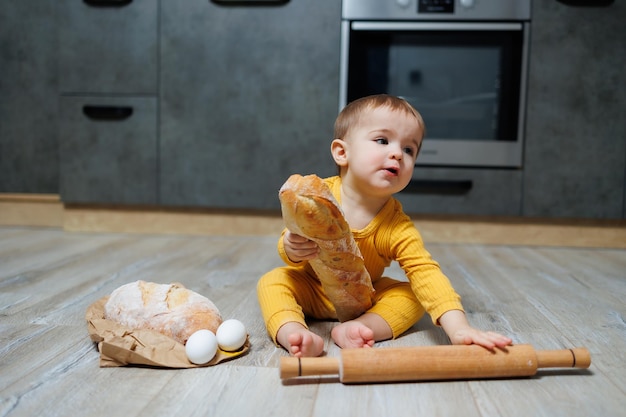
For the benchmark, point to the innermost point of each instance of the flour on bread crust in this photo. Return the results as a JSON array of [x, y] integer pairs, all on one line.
[[170, 309]]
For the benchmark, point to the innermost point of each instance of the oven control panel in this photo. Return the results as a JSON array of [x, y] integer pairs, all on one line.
[[435, 6], [435, 10]]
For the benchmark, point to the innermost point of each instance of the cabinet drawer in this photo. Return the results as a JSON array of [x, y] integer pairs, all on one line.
[[492, 192], [108, 150], [106, 48]]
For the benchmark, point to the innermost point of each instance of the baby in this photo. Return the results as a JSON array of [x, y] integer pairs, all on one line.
[[377, 140]]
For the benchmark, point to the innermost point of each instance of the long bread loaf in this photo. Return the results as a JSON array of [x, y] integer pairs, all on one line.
[[169, 309], [310, 210]]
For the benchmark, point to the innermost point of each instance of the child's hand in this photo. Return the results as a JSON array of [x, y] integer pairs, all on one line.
[[471, 336], [299, 248], [459, 331]]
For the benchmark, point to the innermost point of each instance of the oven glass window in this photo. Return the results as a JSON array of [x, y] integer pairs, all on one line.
[[466, 84]]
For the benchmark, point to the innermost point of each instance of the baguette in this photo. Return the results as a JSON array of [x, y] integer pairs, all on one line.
[[169, 309], [310, 210]]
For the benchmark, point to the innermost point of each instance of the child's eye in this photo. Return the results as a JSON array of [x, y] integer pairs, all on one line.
[[382, 141], [409, 151]]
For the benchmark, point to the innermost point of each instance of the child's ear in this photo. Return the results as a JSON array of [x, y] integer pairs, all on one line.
[[339, 152]]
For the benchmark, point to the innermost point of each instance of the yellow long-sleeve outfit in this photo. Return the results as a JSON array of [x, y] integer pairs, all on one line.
[[293, 292]]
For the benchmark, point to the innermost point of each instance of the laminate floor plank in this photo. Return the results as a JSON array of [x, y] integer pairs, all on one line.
[[549, 297]]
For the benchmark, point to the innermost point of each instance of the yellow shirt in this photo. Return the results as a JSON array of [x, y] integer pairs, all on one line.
[[392, 236]]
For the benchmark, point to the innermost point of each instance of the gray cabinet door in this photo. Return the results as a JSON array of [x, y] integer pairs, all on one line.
[[28, 102], [108, 49], [249, 95], [485, 192], [108, 150], [575, 151]]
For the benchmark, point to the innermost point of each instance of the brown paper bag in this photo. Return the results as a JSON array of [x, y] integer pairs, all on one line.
[[120, 346]]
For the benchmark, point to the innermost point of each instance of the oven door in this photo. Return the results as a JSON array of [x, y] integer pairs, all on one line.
[[468, 80]]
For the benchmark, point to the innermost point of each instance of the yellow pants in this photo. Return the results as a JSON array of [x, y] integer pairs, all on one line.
[[289, 294]]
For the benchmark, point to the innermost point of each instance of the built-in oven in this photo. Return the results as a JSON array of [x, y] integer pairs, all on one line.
[[461, 63]]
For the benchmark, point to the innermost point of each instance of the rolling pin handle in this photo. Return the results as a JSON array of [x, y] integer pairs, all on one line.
[[291, 367], [564, 358]]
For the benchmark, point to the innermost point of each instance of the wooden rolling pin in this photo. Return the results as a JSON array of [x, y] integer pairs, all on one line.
[[429, 363]]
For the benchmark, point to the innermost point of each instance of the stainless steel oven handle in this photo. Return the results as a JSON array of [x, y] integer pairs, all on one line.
[[404, 26]]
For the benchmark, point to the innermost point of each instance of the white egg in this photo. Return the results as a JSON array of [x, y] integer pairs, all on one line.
[[201, 347], [231, 335]]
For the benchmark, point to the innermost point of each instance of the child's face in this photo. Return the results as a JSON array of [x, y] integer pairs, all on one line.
[[380, 152]]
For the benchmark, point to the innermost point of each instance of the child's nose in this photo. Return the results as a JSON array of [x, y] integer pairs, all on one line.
[[396, 152]]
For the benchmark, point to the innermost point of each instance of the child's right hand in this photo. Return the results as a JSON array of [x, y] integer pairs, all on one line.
[[299, 248]]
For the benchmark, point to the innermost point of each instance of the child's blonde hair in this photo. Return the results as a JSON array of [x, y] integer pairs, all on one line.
[[351, 114]]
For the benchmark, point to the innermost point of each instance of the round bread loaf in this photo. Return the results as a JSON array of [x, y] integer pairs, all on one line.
[[169, 309]]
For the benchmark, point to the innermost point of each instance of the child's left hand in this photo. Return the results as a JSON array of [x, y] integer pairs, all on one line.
[[459, 331], [471, 336]]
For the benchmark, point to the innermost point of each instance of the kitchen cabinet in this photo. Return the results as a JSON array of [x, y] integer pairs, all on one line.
[[109, 104], [575, 152], [108, 150], [28, 97], [105, 48], [228, 101], [458, 191], [248, 96]]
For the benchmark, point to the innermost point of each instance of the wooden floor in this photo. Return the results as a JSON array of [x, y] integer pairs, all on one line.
[[549, 297]]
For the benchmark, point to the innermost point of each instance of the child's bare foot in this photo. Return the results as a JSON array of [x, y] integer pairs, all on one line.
[[353, 334], [300, 341]]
